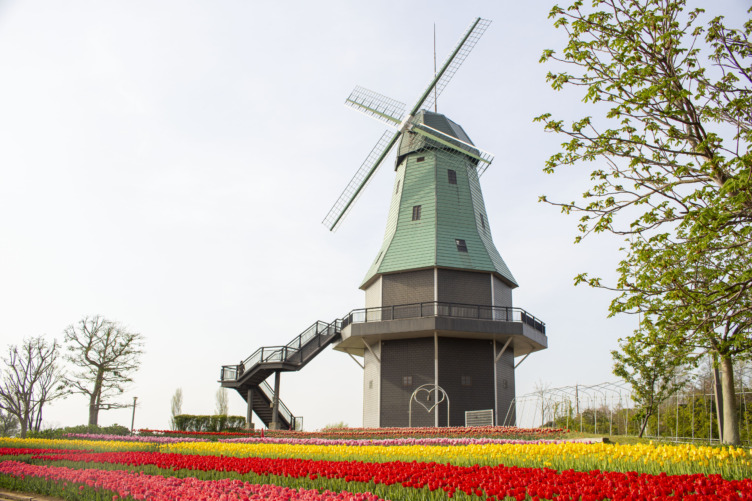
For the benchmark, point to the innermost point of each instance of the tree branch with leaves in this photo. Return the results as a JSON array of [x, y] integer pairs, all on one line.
[[674, 168]]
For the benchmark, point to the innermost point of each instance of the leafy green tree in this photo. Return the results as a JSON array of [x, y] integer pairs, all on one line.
[[653, 371], [106, 355], [673, 93]]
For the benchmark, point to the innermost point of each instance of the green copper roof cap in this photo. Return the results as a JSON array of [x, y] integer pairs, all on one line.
[[437, 205], [412, 142]]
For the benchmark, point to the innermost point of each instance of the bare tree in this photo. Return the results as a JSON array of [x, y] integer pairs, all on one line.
[[107, 355], [8, 424], [176, 407], [222, 403], [544, 399], [31, 377]]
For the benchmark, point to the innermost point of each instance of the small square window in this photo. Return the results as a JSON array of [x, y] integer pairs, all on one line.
[[416, 212], [461, 245], [407, 381], [482, 221], [370, 384], [420, 159], [452, 176], [398, 183], [467, 381]]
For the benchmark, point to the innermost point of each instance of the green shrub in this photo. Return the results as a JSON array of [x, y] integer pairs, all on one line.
[[334, 426], [187, 422], [92, 429]]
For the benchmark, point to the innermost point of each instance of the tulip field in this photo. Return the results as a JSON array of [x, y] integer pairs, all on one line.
[[424, 464]]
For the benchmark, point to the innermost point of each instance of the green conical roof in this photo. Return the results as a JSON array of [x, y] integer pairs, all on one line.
[[444, 184]]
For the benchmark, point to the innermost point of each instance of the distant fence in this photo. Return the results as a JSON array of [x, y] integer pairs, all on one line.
[[608, 409]]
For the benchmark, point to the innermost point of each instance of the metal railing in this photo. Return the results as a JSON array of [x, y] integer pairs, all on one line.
[[439, 309], [293, 352], [283, 410]]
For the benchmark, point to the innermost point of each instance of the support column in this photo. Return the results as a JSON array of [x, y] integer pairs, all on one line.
[[276, 425], [496, 379], [249, 411], [436, 377]]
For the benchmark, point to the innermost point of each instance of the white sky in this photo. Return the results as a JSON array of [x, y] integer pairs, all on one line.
[[168, 164]]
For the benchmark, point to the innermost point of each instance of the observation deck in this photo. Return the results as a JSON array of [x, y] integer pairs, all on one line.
[[526, 333]]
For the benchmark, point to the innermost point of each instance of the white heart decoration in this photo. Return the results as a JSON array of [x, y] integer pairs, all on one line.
[[428, 398]]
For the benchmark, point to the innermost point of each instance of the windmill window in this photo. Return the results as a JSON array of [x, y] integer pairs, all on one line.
[[407, 381], [482, 220], [467, 381], [452, 176], [416, 212], [461, 245], [397, 189], [420, 159]]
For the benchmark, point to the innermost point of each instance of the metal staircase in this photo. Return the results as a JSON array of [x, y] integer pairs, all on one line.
[[252, 372]]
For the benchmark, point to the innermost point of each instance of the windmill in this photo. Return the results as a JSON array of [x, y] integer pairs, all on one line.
[[439, 328]]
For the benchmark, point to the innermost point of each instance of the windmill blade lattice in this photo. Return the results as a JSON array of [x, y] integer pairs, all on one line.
[[452, 64], [378, 106], [392, 112], [360, 179]]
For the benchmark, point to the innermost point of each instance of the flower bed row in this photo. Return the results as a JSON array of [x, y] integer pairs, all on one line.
[[322, 441], [206, 434], [89, 445], [646, 458], [135, 438], [508, 432], [158, 487], [389, 442], [488, 482]]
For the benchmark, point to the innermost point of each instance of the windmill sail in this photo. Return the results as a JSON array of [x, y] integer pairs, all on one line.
[[360, 179], [392, 112], [375, 105], [452, 64]]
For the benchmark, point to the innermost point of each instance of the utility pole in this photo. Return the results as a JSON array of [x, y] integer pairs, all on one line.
[[133, 415]]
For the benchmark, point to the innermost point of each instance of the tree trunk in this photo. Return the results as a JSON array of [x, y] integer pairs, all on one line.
[[730, 418], [644, 424], [96, 398], [24, 420], [718, 391], [93, 410]]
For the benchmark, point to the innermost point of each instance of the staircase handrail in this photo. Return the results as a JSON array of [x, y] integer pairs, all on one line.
[[290, 353], [283, 410]]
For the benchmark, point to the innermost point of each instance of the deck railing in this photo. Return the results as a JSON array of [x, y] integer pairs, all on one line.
[[440, 309]]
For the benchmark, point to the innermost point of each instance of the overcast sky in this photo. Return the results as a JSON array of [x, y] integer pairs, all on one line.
[[167, 165]]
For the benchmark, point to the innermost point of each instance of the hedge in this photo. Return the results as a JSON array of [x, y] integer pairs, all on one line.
[[187, 422]]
